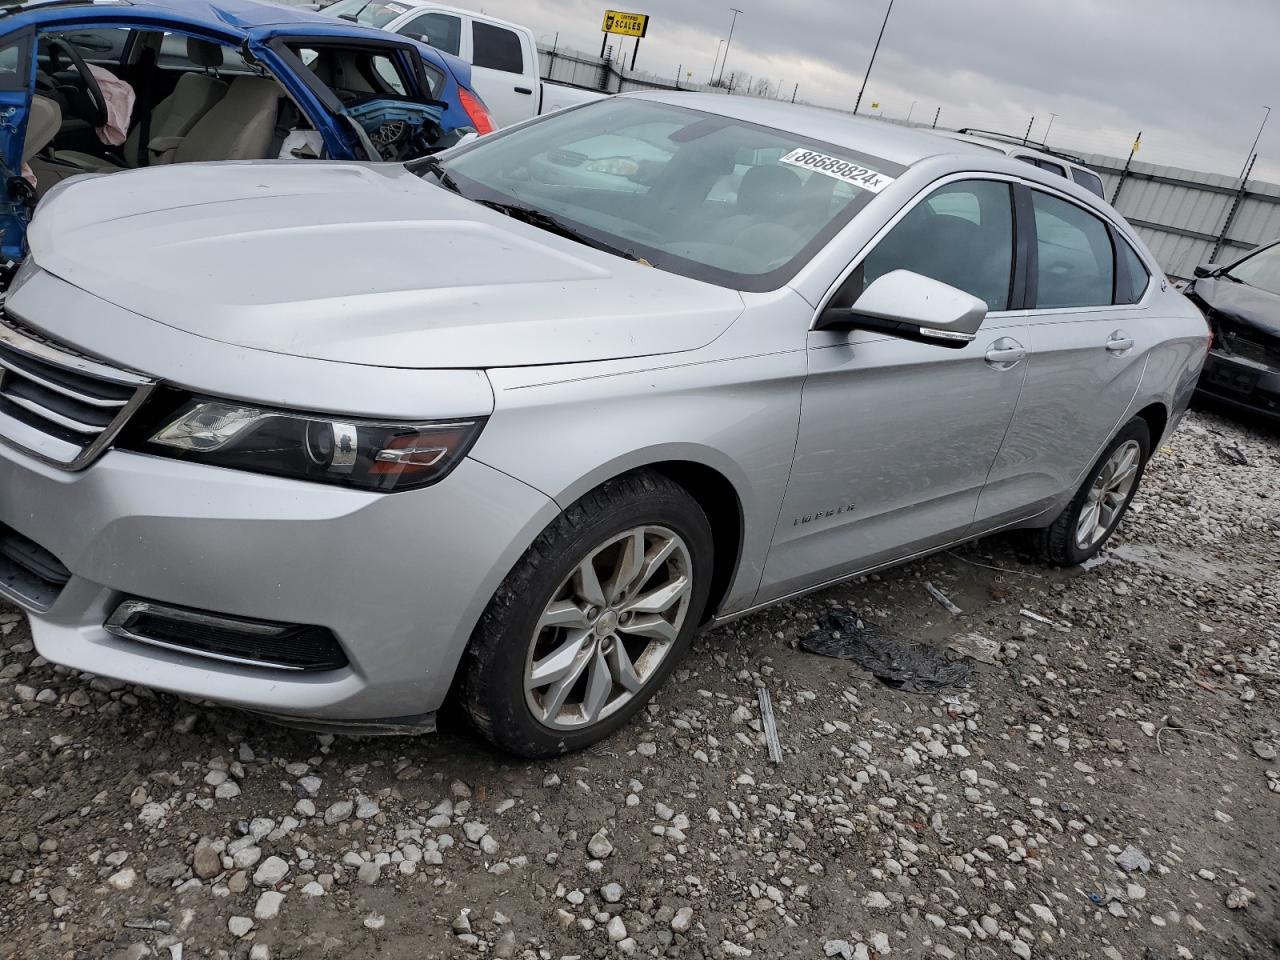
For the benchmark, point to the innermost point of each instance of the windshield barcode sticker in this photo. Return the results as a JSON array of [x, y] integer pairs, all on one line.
[[845, 170]]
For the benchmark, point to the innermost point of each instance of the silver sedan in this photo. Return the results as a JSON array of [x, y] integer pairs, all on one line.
[[334, 442]]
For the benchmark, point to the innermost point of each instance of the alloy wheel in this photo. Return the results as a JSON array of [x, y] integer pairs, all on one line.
[[1108, 495], [608, 627]]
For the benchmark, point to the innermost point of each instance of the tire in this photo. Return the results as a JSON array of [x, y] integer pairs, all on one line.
[[631, 516], [1062, 544]]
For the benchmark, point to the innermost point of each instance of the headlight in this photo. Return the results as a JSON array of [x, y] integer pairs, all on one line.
[[614, 166], [347, 452]]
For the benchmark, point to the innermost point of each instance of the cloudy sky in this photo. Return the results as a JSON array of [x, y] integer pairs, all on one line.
[[1192, 76]]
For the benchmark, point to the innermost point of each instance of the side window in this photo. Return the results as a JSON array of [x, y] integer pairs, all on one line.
[[1135, 274], [441, 30], [962, 235], [13, 65], [99, 46], [1076, 261], [1089, 180], [175, 55], [390, 74], [496, 48]]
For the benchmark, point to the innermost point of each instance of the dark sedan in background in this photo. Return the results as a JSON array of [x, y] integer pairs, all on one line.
[[1242, 304]]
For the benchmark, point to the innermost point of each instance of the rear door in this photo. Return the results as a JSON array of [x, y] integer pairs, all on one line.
[[1089, 336], [15, 109], [504, 71]]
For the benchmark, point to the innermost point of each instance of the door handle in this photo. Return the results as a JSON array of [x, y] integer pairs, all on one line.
[[525, 90], [1006, 353], [1119, 342]]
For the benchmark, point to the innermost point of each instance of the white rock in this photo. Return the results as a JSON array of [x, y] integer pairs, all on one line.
[[1044, 913], [611, 892], [268, 905], [338, 812], [239, 926], [683, 920], [271, 871], [617, 929], [599, 846], [124, 879]]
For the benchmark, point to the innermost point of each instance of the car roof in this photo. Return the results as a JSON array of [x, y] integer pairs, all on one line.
[[1015, 149], [888, 141], [234, 16], [460, 12]]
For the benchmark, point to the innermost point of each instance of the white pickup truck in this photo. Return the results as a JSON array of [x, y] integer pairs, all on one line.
[[503, 55]]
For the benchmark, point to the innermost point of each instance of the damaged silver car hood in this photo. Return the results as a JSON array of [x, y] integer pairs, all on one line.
[[362, 264]]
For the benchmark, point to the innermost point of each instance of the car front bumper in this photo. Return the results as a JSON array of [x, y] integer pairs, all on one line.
[[399, 579], [1241, 383]]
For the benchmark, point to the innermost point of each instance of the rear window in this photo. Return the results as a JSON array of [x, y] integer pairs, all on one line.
[[496, 48], [1133, 272], [1089, 180]]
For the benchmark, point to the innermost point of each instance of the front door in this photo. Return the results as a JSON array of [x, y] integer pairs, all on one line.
[[1089, 338], [15, 111], [897, 437]]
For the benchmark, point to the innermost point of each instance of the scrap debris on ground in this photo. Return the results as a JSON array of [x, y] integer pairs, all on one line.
[[1104, 786]]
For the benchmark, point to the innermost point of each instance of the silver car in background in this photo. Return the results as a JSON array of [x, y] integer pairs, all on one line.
[[334, 442]]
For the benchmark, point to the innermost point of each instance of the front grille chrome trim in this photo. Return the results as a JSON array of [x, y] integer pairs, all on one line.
[[55, 445]]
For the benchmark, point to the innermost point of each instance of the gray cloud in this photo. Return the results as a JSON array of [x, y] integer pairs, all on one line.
[[1192, 80]]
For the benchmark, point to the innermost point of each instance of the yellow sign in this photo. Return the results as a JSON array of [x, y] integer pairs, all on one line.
[[627, 24], [875, 104]]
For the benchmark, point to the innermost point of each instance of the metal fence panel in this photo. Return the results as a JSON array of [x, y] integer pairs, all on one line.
[[1188, 217]]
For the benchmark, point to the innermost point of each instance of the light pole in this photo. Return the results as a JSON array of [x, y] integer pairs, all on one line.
[[872, 62], [728, 43], [1265, 117], [912, 110], [719, 47], [1052, 117]]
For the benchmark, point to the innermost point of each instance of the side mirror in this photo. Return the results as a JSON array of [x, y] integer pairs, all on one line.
[[1207, 270], [908, 305]]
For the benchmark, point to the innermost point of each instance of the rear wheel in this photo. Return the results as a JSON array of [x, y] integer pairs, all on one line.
[[1102, 500], [592, 620]]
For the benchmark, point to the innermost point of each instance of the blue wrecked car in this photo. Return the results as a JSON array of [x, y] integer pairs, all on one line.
[[102, 86]]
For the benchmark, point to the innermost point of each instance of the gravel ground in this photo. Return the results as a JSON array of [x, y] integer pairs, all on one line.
[[1106, 786]]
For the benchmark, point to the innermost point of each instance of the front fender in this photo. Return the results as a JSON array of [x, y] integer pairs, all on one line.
[[565, 431]]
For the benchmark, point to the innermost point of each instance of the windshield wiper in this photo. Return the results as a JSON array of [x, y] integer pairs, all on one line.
[[434, 167], [544, 221]]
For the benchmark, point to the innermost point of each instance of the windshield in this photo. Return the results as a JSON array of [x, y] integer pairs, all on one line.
[[371, 13], [693, 193], [1262, 270]]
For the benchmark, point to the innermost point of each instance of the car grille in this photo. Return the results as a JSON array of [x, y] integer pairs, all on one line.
[[59, 406], [28, 572]]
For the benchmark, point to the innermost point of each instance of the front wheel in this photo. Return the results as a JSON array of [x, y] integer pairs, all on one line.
[[592, 620], [1097, 508]]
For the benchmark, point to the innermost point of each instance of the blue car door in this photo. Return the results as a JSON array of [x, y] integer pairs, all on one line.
[[15, 108]]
